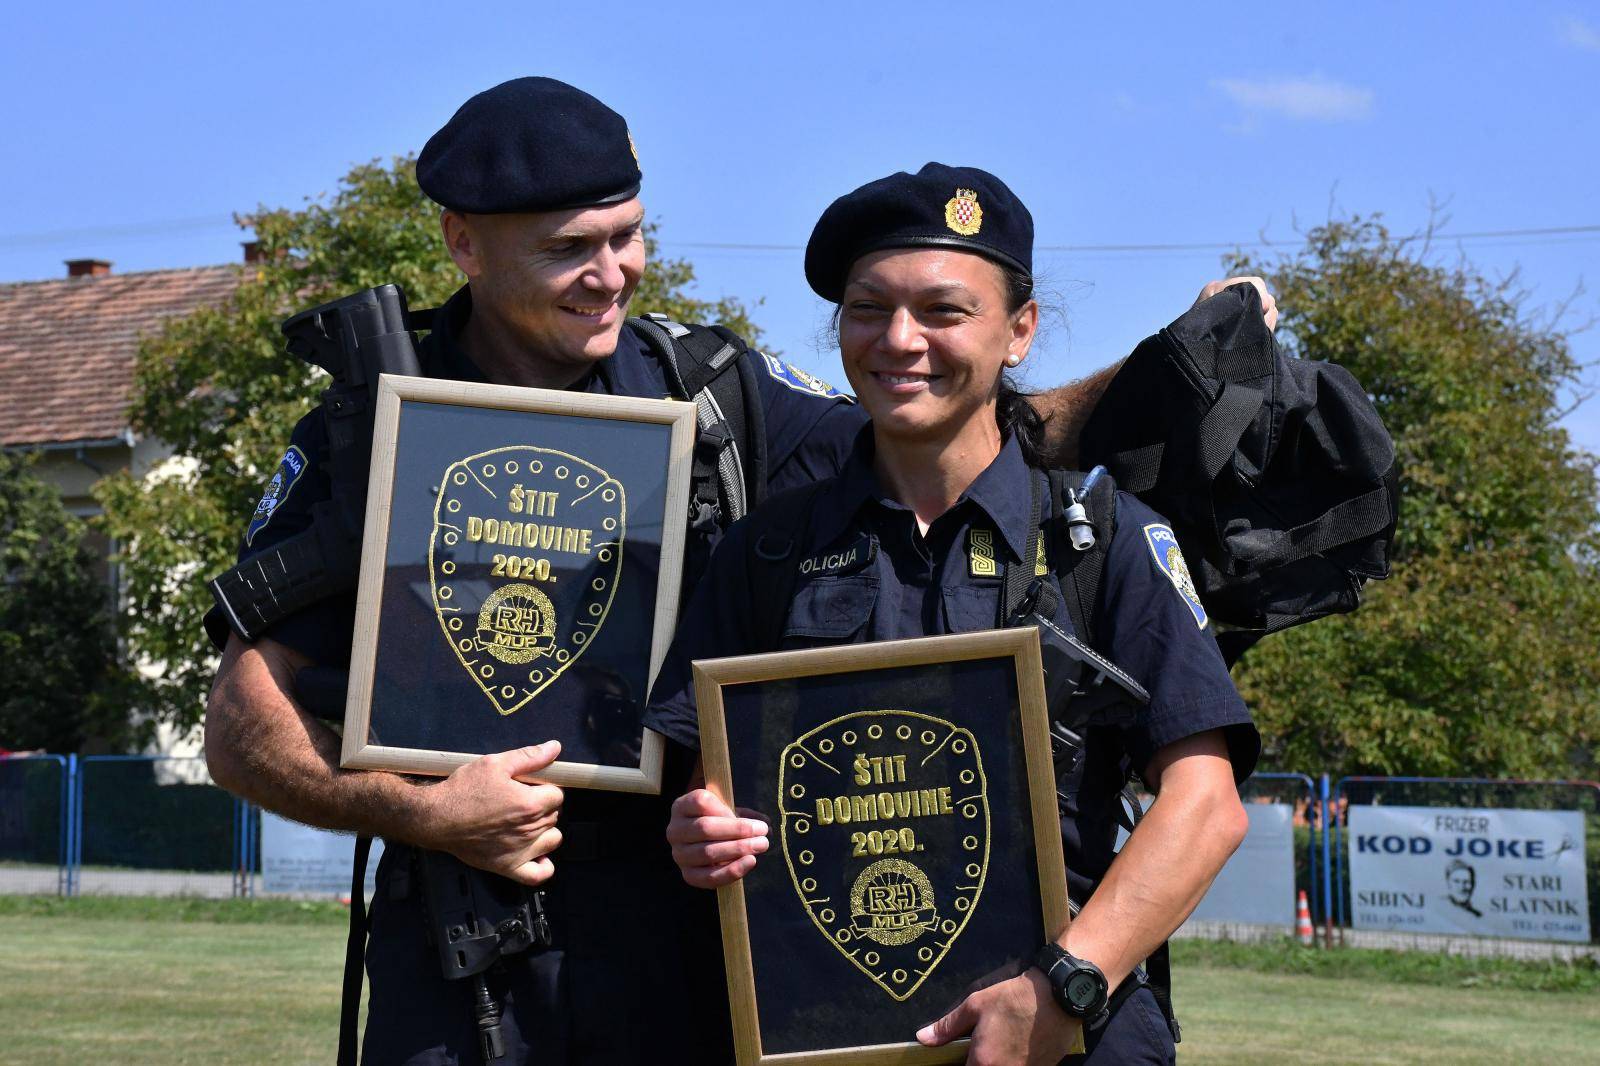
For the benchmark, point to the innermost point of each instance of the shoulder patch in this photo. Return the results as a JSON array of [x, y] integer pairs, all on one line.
[[1164, 547], [290, 467], [797, 379]]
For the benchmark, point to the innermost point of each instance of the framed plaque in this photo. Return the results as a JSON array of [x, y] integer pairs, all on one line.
[[916, 849], [519, 579]]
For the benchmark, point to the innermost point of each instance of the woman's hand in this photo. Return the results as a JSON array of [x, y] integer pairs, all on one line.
[[1269, 306], [712, 845], [1015, 1021]]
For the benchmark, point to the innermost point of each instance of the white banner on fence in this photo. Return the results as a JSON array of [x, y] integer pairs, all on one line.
[[1257, 884], [299, 860], [1507, 873]]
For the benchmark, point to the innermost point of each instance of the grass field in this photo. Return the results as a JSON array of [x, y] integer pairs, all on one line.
[[219, 982]]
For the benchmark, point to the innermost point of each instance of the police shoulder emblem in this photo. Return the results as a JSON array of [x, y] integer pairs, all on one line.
[[797, 379], [885, 831], [1169, 559], [962, 213], [290, 467]]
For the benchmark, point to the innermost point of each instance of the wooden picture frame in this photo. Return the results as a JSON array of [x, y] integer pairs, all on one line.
[[559, 518], [885, 702]]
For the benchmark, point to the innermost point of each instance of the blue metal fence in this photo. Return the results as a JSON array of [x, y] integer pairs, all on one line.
[[156, 824], [35, 821]]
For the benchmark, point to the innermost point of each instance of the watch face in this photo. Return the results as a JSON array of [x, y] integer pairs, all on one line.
[[1082, 990]]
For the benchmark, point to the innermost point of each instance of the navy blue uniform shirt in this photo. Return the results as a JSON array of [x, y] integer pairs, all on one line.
[[867, 574]]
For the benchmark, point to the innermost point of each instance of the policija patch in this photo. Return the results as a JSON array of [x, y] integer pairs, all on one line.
[[290, 467], [795, 378], [1164, 547], [524, 560], [885, 827]]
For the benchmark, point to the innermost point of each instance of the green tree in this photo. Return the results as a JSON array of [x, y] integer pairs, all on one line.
[[217, 386], [62, 685], [1477, 656]]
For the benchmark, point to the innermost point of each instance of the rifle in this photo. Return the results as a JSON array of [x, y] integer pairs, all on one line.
[[355, 339]]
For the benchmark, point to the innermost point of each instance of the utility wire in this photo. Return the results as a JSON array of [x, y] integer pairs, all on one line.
[[204, 222], [131, 229], [1207, 246]]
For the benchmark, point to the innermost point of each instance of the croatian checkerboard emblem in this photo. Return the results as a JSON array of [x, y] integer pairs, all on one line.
[[885, 830], [523, 563], [962, 213]]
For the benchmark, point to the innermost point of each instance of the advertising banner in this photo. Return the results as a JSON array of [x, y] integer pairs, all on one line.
[[1257, 885], [1503, 873], [301, 861]]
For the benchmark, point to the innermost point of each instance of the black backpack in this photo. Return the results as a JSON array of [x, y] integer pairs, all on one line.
[[1276, 474]]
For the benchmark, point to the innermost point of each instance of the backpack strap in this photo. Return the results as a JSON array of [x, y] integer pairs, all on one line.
[[355, 953], [729, 471], [772, 535], [1081, 574]]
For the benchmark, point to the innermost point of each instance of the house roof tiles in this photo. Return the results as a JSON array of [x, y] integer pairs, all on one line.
[[67, 347]]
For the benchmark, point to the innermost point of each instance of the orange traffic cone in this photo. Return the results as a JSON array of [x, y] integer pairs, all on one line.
[[1302, 920]]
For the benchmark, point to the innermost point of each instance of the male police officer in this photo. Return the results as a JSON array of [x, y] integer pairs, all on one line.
[[539, 184]]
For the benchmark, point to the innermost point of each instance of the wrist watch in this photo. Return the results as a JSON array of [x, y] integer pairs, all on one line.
[[1078, 985]]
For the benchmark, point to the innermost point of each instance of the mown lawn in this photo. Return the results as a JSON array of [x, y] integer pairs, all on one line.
[[223, 982]]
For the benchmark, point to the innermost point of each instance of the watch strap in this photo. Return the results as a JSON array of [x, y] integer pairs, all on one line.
[[1050, 958]]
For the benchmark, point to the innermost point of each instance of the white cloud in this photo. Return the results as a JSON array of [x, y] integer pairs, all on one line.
[[1580, 34], [1304, 99]]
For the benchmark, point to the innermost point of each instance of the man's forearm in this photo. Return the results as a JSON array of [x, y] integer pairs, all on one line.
[[1066, 410], [262, 746], [1164, 869]]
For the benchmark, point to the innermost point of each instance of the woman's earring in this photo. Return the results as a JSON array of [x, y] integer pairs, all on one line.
[[1012, 359]]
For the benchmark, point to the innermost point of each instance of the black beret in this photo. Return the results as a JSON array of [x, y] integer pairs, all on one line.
[[938, 206], [531, 144]]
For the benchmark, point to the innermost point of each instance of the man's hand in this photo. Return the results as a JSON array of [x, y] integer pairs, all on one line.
[[711, 843], [1015, 1021], [485, 817], [1269, 306]]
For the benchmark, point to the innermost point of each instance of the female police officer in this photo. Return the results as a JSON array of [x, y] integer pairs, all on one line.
[[932, 275]]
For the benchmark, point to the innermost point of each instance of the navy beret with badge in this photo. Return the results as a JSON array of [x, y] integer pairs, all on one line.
[[530, 144], [938, 206]]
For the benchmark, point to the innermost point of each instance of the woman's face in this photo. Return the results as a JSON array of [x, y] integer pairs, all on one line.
[[924, 335]]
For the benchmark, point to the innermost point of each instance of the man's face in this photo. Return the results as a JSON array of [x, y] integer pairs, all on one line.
[[557, 282], [1461, 884]]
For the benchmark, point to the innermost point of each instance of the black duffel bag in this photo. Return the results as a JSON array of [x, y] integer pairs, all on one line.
[[1276, 473]]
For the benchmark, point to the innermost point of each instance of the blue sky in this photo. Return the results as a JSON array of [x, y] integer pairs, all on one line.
[[134, 131]]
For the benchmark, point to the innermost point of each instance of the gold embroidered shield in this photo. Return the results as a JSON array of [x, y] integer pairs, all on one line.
[[885, 831], [523, 563]]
